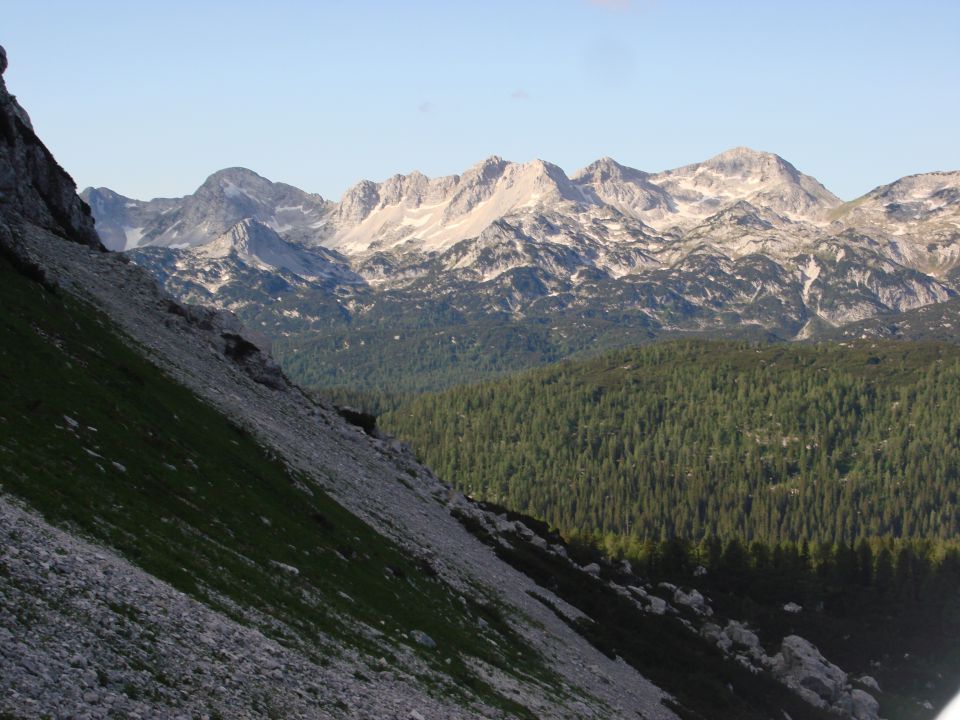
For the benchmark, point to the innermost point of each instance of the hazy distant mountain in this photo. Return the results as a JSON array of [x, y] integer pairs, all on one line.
[[224, 199], [741, 243]]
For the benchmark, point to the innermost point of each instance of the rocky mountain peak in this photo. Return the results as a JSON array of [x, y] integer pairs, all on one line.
[[247, 236], [747, 165], [764, 179], [925, 207], [407, 189], [625, 188], [514, 184], [358, 201], [607, 169], [250, 240], [236, 185], [488, 168], [543, 179]]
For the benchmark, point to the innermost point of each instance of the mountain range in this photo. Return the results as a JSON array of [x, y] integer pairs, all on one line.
[[742, 244]]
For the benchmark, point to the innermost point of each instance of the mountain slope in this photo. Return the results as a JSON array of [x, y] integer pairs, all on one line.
[[249, 264], [273, 570]]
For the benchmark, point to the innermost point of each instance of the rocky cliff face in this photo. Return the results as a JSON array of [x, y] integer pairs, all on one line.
[[33, 187]]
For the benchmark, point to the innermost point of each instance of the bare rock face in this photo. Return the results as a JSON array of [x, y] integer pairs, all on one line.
[[32, 185]]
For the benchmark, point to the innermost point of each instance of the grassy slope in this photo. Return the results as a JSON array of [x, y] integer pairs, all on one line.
[[143, 466]]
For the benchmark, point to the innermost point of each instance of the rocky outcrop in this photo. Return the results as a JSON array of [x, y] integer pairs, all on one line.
[[33, 186], [802, 667]]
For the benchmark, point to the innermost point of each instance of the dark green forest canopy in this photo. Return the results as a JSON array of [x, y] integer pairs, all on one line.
[[828, 443]]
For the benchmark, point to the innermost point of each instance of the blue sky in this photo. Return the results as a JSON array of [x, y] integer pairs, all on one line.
[[150, 98]]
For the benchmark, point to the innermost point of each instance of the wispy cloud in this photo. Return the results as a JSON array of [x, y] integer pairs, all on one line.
[[425, 107], [520, 94]]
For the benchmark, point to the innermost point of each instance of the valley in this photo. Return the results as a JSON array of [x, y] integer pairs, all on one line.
[[625, 444]]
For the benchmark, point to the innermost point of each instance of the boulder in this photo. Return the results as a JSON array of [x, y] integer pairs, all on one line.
[[801, 667], [693, 600], [538, 542], [558, 549], [504, 525], [421, 638], [865, 706], [714, 634], [739, 634], [592, 569], [658, 606]]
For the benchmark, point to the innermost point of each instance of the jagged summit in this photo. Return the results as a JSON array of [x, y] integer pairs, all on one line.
[[606, 168], [627, 189], [435, 213]]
